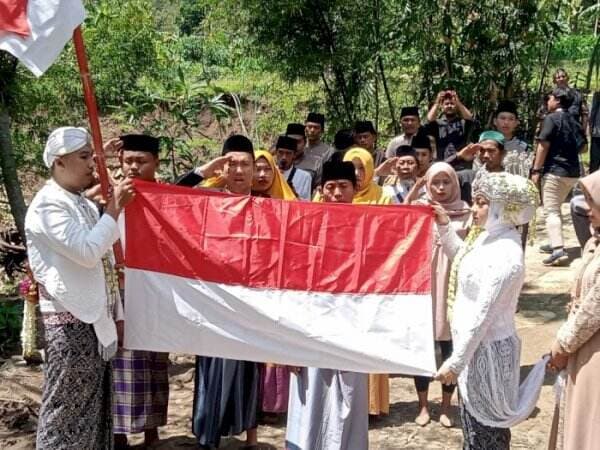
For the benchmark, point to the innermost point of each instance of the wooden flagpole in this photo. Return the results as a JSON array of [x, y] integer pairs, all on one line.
[[94, 120]]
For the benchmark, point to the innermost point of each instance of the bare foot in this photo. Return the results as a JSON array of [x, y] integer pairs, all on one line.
[[251, 438], [423, 418]]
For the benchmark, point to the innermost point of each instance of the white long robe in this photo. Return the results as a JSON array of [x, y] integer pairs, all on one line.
[[328, 410]]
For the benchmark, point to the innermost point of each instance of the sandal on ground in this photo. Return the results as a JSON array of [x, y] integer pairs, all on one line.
[[423, 419], [446, 421]]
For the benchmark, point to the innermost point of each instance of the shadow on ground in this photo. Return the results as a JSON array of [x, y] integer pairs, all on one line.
[[550, 306], [184, 441], [549, 378], [402, 413]]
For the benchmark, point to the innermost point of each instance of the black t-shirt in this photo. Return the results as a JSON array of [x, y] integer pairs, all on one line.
[[450, 137], [576, 108], [562, 131]]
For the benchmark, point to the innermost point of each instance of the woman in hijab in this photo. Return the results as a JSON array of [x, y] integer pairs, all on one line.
[[486, 277], [367, 191], [268, 181], [442, 187], [577, 345], [274, 379]]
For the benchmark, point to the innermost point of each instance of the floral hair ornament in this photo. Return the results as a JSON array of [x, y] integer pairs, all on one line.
[[518, 197]]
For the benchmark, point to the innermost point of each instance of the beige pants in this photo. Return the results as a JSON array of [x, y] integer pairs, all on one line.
[[555, 190]]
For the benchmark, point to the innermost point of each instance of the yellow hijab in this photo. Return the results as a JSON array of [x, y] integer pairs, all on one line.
[[215, 182], [372, 193], [280, 188]]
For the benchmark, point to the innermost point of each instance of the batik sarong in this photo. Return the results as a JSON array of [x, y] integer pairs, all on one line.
[[478, 437], [76, 411]]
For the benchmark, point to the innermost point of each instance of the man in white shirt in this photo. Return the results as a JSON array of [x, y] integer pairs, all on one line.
[[285, 154], [69, 249], [410, 121]]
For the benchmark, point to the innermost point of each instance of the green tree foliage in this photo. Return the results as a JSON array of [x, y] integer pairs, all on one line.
[[191, 15], [170, 105], [331, 42], [120, 51], [485, 49], [130, 51], [142, 74]]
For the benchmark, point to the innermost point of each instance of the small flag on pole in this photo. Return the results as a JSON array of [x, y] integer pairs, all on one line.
[[36, 31]]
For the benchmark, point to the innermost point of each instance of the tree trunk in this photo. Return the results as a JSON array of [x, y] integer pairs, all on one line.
[[594, 63], [447, 25], [376, 100], [596, 21], [9, 174], [388, 96], [339, 78], [340, 82], [332, 99], [547, 56]]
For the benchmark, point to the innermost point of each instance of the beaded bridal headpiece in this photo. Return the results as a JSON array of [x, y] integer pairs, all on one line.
[[517, 195]]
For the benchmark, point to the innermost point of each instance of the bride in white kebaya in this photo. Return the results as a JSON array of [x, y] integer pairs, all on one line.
[[485, 282]]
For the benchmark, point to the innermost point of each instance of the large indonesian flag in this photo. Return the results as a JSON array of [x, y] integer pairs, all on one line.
[[322, 285], [36, 31]]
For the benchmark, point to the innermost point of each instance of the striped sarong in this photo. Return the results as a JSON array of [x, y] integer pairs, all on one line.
[[141, 390]]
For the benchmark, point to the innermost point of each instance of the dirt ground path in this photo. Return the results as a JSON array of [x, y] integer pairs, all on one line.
[[541, 312]]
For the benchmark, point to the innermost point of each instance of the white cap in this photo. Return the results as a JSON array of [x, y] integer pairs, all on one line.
[[65, 140]]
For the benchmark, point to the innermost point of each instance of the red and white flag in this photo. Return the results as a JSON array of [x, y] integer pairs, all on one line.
[[306, 284], [36, 31]]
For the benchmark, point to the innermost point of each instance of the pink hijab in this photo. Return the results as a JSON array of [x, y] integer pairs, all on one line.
[[460, 214], [591, 183], [454, 206]]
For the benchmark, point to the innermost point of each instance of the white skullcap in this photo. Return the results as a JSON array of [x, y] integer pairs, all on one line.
[[65, 140]]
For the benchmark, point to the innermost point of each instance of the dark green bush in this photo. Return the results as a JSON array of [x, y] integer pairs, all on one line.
[[573, 47], [11, 318]]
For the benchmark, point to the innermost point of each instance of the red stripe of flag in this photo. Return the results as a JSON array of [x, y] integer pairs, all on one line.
[[13, 17], [274, 244]]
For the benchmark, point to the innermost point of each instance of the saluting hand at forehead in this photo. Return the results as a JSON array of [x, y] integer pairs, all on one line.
[[112, 147], [215, 167]]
